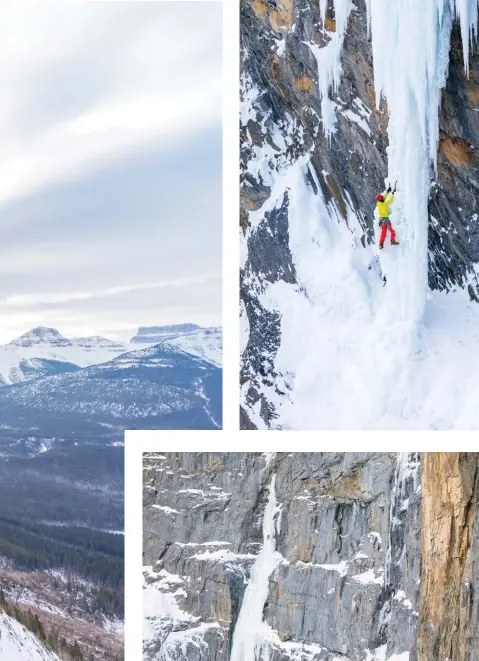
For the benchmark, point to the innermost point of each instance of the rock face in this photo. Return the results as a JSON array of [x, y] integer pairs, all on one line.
[[353, 573], [448, 626], [282, 121], [155, 334], [94, 342], [45, 336]]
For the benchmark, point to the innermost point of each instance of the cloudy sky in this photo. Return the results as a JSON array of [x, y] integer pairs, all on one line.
[[110, 166]]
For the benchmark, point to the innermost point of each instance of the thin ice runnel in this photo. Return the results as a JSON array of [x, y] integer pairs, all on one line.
[[329, 62], [247, 636]]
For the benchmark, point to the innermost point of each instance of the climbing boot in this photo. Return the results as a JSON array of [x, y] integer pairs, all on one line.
[[381, 246], [394, 243]]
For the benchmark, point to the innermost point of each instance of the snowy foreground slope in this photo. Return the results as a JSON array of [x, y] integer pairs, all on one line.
[[336, 333], [311, 557], [67, 609], [19, 644]]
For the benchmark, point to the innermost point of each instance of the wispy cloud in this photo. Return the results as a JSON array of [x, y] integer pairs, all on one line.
[[30, 300]]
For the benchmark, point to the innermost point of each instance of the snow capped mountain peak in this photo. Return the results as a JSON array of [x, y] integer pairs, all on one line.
[[191, 338], [45, 351], [41, 335]]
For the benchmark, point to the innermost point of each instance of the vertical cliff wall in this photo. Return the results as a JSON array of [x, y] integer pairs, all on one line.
[[310, 557], [448, 617]]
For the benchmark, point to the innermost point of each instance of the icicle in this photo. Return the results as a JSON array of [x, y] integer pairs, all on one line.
[[368, 16], [467, 13], [323, 8], [405, 483]]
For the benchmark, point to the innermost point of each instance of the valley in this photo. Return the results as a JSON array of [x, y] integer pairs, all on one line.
[[64, 406]]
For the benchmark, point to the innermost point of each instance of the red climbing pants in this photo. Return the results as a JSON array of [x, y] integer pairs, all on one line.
[[386, 225]]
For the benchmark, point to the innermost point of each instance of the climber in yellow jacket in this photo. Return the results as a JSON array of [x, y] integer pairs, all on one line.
[[383, 203]]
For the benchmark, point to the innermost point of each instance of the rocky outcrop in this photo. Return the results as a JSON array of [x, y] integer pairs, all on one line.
[[453, 227], [375, 556], [95, 342], [448, 617], [155, 334]]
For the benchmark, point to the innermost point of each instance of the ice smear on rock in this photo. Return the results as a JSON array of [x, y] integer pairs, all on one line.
[[250, 628], [329, 63]]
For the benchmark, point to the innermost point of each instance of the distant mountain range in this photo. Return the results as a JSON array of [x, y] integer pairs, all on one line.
[[55, 389], [45, 352]]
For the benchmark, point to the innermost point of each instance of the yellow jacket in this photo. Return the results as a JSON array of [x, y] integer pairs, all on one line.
[[384, 207]]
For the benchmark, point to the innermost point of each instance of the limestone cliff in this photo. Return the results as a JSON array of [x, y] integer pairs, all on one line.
[[311, 557], [448, 617]]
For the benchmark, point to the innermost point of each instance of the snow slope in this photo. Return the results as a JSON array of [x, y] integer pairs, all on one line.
[[204, 343], [19, 644], [355, 353], [201, 342]]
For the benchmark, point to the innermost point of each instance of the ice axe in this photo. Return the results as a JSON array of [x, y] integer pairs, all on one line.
[[395, 185]]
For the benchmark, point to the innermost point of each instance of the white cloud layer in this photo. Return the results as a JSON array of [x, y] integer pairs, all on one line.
[[110, 162]]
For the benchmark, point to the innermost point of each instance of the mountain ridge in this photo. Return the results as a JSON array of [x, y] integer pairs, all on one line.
[[43, 351]]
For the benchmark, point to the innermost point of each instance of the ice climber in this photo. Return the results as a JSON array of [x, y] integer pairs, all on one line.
[[383, 203]]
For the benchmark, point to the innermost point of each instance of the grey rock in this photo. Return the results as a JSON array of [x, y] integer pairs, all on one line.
[[348, 581], [156, 334]]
